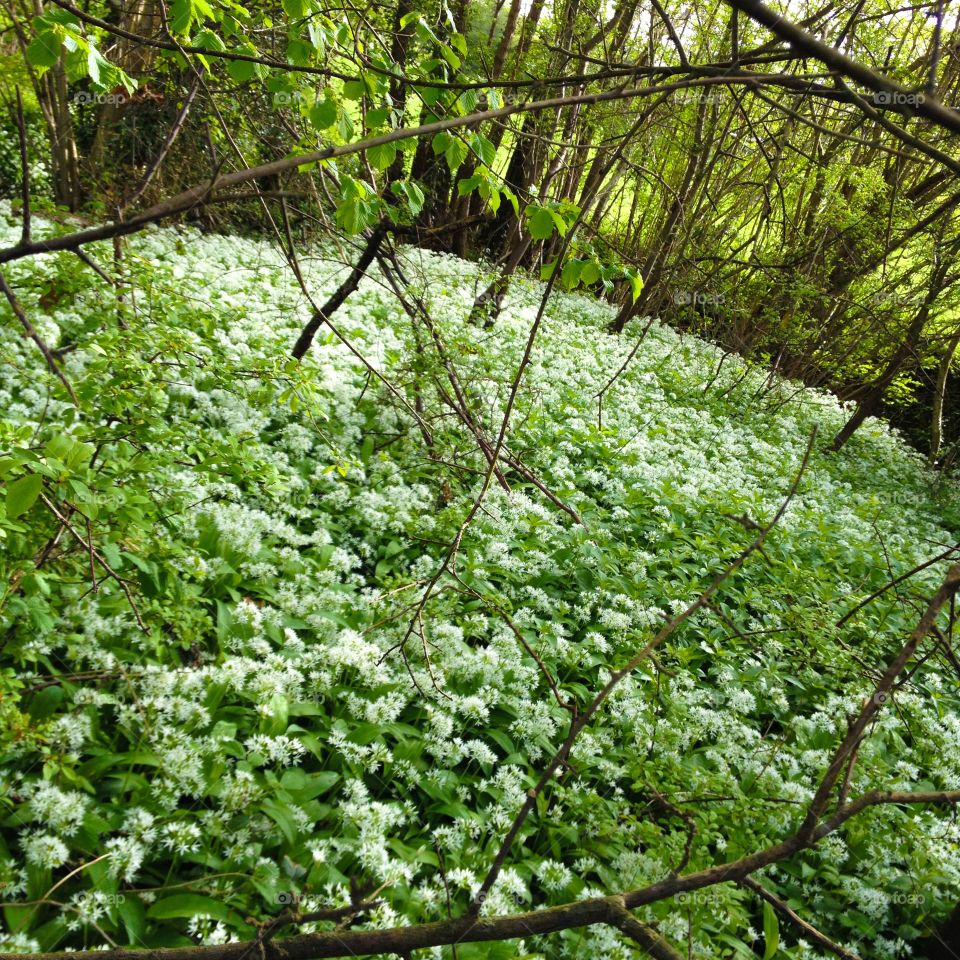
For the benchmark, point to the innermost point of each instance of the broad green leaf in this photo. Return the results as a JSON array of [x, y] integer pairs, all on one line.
[[540, 222], [483, 148], [771, 932], [570, 275], [188, 905], [22, 494], [354, 89], [181, 15], [241, 70], [323, 114], [455, 153], [44, 51], [590, 273], [468, 184], [382, 156]]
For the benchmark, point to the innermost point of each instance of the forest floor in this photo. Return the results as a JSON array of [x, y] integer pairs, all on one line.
[[277, 694]]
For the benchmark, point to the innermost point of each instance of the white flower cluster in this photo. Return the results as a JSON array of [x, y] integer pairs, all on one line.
[[303, 717]]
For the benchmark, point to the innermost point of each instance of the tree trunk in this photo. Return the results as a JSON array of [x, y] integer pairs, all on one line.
[[940, 390], [869, 404]]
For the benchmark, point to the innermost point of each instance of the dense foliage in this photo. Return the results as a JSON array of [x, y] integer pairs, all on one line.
[[795, 216], [221, 698]]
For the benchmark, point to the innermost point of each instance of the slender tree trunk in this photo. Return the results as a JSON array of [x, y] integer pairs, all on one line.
[[869, 403], [940, 391]]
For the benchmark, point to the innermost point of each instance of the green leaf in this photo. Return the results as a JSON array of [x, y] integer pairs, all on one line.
[[412, 192], [241, 70], [771, 932], [591, 273], [354, 89], [483, 148], [571, 273], [468, 184], [382, 156], [44, 51], [636, 285], [181, 15], [455, 153], [188, 905], [323, 114], [540, 222], [22, 494], [280, 814]]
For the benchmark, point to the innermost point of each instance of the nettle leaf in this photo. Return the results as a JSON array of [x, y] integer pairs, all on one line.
[[23, 493], [540, 222]]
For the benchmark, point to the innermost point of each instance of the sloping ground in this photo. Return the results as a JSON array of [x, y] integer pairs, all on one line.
[[263, 735]]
